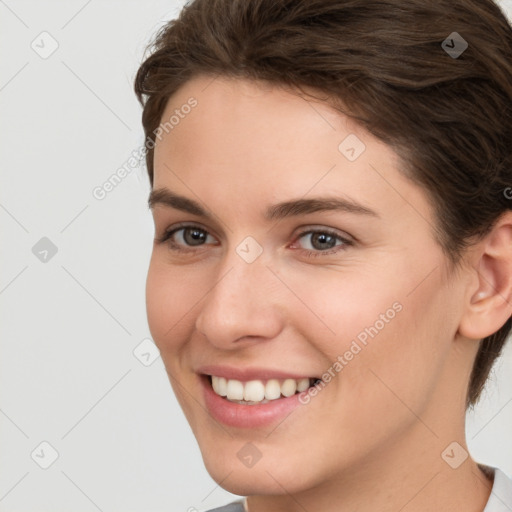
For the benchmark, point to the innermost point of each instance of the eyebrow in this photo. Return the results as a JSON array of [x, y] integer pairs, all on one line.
[[291, 208]]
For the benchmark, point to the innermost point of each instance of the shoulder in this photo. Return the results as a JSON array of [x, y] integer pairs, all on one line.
[[235, 506]]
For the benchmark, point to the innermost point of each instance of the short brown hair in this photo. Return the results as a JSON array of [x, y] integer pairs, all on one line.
[[448, 117]]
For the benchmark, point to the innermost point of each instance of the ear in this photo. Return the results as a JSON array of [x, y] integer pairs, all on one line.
[[489, 298]]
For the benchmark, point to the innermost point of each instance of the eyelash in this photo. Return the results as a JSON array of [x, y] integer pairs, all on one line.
[[166, 237]]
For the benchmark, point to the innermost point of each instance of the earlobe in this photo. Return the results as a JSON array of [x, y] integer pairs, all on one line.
[[490, 304]]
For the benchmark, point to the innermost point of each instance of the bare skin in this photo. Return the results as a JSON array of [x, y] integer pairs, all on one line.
[[373, 438]]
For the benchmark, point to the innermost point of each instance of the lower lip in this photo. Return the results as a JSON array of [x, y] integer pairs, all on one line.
[[246, 416]]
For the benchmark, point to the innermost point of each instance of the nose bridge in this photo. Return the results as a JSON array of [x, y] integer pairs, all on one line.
[[240, 302]]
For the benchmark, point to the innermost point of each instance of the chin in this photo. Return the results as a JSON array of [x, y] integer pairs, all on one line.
[[248, 482], [271, 477]]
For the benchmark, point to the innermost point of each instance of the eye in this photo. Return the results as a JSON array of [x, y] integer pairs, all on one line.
[[322, 242], [181, 237]]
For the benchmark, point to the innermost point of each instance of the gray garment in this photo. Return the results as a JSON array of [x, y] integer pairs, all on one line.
[[235, 506]]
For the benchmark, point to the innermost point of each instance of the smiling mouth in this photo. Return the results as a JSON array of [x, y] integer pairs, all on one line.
[[255, 392]]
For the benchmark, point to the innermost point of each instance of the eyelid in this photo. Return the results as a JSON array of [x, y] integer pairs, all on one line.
[[325, 229], [303, 230], [169, 232]]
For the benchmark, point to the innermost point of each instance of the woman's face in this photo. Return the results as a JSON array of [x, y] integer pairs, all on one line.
[[359, 295]]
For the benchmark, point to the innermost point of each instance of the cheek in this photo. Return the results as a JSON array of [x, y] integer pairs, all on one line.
[[170, 297], [339, 310], [405, 361], [385, 345]]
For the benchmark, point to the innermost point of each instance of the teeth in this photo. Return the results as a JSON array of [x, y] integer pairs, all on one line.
[[220, 386], [272, 389], [304, 384], [235, 390], [254, 391], [257, 391], [223, 386]]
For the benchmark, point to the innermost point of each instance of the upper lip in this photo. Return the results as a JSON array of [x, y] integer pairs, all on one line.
[[249, 373]]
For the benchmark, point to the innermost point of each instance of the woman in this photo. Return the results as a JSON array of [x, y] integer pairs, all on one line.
[[331, 280]]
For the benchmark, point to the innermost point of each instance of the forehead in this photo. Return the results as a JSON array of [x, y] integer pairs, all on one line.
[[252, 142], [233, 115], [248, 124]]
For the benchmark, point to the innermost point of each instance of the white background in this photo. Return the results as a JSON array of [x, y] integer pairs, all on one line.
[[69, 326]]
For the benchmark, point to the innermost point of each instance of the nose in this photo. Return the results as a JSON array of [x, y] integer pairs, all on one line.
[[245, 302]]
